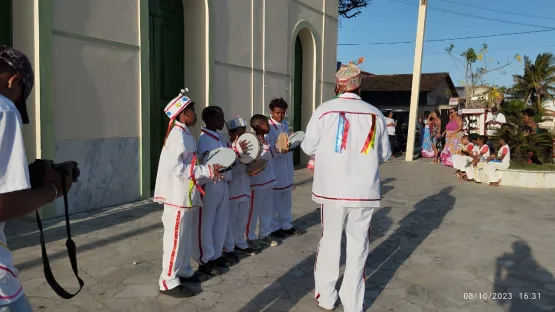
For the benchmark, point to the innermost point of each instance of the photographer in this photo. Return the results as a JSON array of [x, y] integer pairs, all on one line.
[[16, 196]]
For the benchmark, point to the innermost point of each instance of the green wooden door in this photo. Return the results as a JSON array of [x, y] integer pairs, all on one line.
[[167, 63], [6, 22], [298, 96]]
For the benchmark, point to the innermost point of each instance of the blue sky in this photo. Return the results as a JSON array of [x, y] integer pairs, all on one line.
[[395, 20]]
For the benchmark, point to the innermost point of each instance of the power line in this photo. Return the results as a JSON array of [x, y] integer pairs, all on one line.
[[448, 39], [500, 11], [470, 15], [445, 53]]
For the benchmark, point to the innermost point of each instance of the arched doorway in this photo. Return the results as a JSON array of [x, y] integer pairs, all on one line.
[[167, 63], [304, 84], [6, 22]]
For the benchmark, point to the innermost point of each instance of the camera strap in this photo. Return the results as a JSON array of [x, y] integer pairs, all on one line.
[[71, 252]]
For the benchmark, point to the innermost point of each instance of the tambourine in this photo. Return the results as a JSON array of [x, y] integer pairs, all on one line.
[[222, 156]]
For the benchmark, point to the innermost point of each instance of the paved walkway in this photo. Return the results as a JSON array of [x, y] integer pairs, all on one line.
[[442, 239]]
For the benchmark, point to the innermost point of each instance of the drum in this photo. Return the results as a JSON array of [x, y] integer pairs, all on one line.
[[256, 167], [296, 139], [282, 143], [222, 156], [253, 151]]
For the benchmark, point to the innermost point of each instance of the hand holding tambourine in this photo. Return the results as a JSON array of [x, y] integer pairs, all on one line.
[[282, 144]]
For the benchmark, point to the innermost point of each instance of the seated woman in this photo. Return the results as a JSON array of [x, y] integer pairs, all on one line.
[[468, 152], [527, 117], [489, 172], [482, 155]]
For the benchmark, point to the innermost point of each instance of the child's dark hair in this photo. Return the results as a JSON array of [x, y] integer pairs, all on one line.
[[211, 112], [505, 138], [426, 114], [257, 119], [279, 103], [473, 137], [483, 138]]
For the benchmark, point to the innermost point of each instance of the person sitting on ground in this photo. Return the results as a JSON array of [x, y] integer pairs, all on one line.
[[484, 152], [489, 172]]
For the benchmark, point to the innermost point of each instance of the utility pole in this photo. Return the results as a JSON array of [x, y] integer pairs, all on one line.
[[417, 71]]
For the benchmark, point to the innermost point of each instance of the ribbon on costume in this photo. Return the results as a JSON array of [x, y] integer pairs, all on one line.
[[170, 127], [370, 140], [342, 133], [193, 182]]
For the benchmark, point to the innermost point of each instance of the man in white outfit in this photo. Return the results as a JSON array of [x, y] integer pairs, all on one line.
[[282, 219], [349, 140], [178, 187]]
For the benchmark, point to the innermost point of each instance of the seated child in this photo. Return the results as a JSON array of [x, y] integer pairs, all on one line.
[[468, 151], [482, 155], [489, 173]]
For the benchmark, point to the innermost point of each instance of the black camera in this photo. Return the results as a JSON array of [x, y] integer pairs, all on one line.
[[37, 168], [75, 172]]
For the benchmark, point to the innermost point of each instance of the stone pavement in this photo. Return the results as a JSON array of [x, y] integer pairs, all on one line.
[[442, 240]]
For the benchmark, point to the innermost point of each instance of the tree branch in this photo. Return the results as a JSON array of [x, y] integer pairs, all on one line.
[[351, 8]]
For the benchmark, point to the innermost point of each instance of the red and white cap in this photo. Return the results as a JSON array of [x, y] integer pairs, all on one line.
[[177, 105]]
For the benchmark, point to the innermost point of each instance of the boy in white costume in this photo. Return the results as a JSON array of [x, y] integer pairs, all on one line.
[[489, 174], [239, 195], [467, 154], [178, 187], [261, 201], [212, 218], [483, 152], [283, 169], [349, 139]]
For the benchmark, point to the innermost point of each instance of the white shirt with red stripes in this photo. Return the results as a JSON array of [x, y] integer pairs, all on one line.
[[349, 140], [239, 186], [208, 141], [180, 173], [266, 177]]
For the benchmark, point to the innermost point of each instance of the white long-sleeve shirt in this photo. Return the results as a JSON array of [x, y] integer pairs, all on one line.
[[283, 163], [208, 141], [239, 186], [347, 164], [179, 174], [266, 178]]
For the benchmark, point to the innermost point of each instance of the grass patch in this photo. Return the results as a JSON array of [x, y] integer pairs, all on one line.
[[532, 167]]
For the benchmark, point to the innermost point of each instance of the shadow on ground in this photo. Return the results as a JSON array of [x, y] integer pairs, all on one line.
[[298, 276], [520, 282]]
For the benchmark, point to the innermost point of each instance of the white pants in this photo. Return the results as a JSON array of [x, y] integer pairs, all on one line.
[[356, 222], [238, 215], [489, 173], [281, 217], [460, 162], [472, 173], [210, 227], [260, 211], [177, 245]]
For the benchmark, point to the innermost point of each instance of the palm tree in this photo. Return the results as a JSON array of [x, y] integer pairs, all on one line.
[[538, 80]]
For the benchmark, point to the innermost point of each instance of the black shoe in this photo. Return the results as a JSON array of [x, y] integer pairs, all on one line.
[[294, 231], [209, 269], [178, 292], [248, 251], [278, 234], [220, 262], [193, 279], [231, 257]]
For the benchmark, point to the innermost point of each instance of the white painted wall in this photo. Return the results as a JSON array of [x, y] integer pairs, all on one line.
[[238, 55]]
